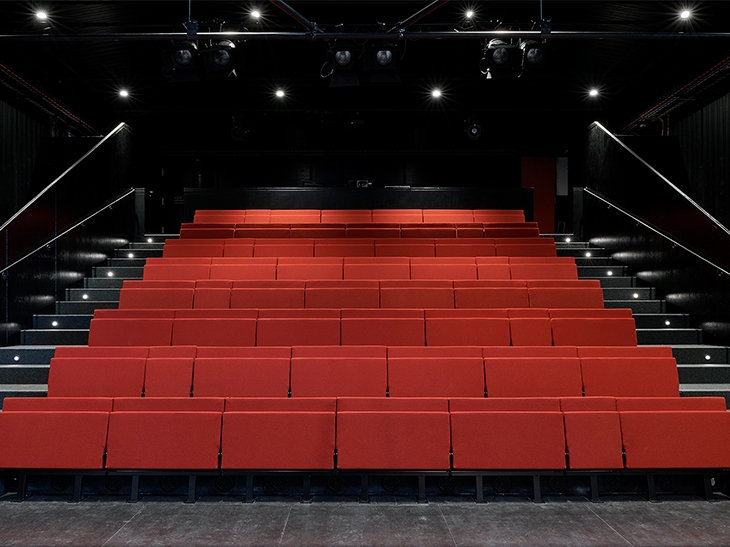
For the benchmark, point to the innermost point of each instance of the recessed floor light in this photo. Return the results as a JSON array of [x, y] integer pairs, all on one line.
[[667, 322], [85, 296], [149, 240], [635, 295], [588, 255], [609, 273], [707, 357], [16, 357], [54, 324], [130, 255], [567, 240]]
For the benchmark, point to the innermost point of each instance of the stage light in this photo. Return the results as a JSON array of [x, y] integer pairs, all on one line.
[[534, 58], [219, 60], [179, 63], [380, 63], [342, 59], [502, 59], [593, 93], [280, 93], [436, 93], [255, 14], [41, 15], [685, 14], [469, 14], [123, 93], [474, 131]]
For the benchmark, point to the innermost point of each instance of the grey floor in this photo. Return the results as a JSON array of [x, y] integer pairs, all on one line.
[[217, 523]]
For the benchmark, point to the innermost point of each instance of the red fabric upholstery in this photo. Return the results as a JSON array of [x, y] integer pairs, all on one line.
[[168, 377], [392, 404], [371, 231], [176, 251], [241, 377], [432, 230], [593, 440], [329, 268], [56, 404], [624, 351], [256, 230], [96, 377], [505, 404], [163, 440], [377, 269], [346, 215], [630, 376], [593, 332], [101, 351], [508, 440], [274, 296], [435, 351], [348, 248], [416, 294], [130, 332], [493, 271], [676, 439], [459, 249], [429, 269], [339, 376], [397, 215], [436, 377], [533, 377], [176, 271], [342, 294], [297, 248], [530, 351], [241, 351], [384, 327], [173, 351], [595, 313], [405, 248], [156, 298], [298, 331], [212, 298], [169, 404], [259, 270], [584, 404], [469, 331], [574, 297], [314, 231], [214, 331], [530, 331], [544, 271], [490, 297], [102, 313], [59, 440], [669, 403]]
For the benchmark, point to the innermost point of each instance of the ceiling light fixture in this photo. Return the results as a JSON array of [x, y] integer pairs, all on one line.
[[501, 58], [469, 14], [41, 15], [685, 14], [123, 93], [342, 59], [255, 14], [436, 93], [280, 93], [219, 60], [593, 93]]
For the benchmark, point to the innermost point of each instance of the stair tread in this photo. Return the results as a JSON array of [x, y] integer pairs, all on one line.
[[24, 387], [704, 387]]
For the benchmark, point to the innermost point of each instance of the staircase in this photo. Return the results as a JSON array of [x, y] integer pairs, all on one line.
[[24, 368], [704, 370]]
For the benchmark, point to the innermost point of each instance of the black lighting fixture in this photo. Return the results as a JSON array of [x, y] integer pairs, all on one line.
[[381, 62], [180, 62], [343, 60], [473, 131], [534, 58], [219, 60], [502, 59]]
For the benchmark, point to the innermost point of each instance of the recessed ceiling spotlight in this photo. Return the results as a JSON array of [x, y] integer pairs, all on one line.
[[280, 93], [593, 92], [685, 14], [256, 14], [436, 93], [123, 93], [41, 15]]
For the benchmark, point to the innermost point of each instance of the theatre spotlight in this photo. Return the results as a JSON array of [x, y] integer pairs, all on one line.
[[474, 131], [502, 59], [180, 62], [219, 60], [534, 58], [342, 59], [381, 63]]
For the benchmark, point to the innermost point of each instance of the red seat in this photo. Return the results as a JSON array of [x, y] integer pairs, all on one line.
[[171, 404], [291, 434], [478, 295], [436, 376], [314, 268], [163, 440], [168, 377], [346, 215], [397, 215], [574, 297], [254, 269], [404, 248], [533, 377], [58, 404], [593, 332], [439, 268], [241, 377], [434, 351], [176, 271], [390, 433], [669, 403], [630, 376], [305, 327], [625, 351], [342, 294], [416, 294], [529, 351], [197, 250], [130, 332], [213, 331], [592, 433], [59, 440], [460, 249], [444, 230], [467, 331], [337, 248], [544, 271], [268, 294], [96, 377], [204, 233], [212, 297], [157, 298], [377, 269], [343, 375], [101, 351], [384, 327], [530, 331]]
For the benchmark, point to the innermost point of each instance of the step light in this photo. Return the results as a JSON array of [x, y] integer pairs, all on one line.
[[707, 357], [54, 324], [588, 255], [110, 274], [150, 240], [85, 296], [667, 322], [567, 240], [130, 255], [609, 273], [16, 357], [635, 295]]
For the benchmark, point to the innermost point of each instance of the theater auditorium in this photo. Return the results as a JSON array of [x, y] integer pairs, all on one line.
[[367, 272]]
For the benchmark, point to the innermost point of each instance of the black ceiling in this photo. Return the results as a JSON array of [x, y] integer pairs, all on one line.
[[89, 49]]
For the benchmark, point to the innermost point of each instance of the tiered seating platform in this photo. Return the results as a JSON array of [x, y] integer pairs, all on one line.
[[324, 355]]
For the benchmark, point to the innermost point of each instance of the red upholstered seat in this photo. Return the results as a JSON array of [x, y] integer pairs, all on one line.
[[593, 439], [163, 440], [624, 351], [435, 351], [203, 233], [439, 268], [397, 215], [291, 434], [544, 271], [630, 376], [391, 433], [383, 327], [96, 377], [212, 297], [458, 248], [313, 268], [197, 250], [337, 248], [253, 269], [59, 439], [481, 296], [533, 376], [58, 404], [346, 215], [304, 327], [241, 377], [101, 351], [467, 331], [339, 376], [488, 271], [530, 331], [435, 376], [214, 331], [405, 248], [573, 297], [442, 230], [342, 294], [670, 403], [416, 294], [168, 377], [676, 439], [593, 332], [257, 230], [169, 404], [377, 268], [315, 231], [157, 298], [279, 294], [529, 351], [242, 351], [355, 231], [176, 271]]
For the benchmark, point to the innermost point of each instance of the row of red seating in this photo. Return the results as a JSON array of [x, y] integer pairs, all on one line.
[[367, 372], [351, 268], [365, 247], [361, 326], [365, 434], [360, 294], [358, 215]]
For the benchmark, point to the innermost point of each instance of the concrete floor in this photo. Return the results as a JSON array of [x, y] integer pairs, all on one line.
[[223, 522]]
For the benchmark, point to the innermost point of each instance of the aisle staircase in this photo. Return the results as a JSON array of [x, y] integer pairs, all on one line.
[[703, 369]]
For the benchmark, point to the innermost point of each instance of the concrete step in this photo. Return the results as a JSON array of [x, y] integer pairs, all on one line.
[[125, 262], [103, 282], [22, 390], [96, 295], [617, 282], [80, 321], [639, 306], [706, 390], [34, 355], [582, 252], [704, 374], [85, 307], [137, 253], [132, 272], [58, 337], [24, 374], [593, 272], [145, 246], [589, 260], [656, 337], [629, 293], [700, 353], [661, 320]]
